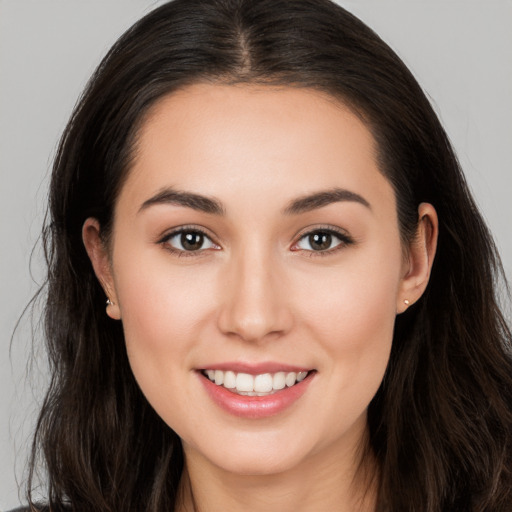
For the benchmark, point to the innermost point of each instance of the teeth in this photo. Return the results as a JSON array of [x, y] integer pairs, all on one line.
[[229, 379], [263, 383], [301, 376], [244, 382], [279, 380], [291, 378], [254, 385]]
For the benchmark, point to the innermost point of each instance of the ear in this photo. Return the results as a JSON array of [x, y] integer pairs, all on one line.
[[98, 254], [418, 263]]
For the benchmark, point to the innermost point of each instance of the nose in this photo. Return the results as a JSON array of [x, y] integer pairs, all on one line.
[[254, 304]]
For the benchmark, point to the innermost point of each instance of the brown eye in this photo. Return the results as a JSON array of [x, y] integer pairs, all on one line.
[[322, 240], [192, 241], [188, 240]]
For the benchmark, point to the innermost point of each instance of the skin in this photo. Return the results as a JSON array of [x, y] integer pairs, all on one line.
[[259, 292]]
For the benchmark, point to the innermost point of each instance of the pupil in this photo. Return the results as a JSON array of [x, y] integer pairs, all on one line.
[[320, 241], [192, 241]]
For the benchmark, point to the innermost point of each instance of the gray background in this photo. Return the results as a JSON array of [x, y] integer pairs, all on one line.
[[460, 51]]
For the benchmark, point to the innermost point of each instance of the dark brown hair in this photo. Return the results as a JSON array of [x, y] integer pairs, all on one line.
[[440, 424]]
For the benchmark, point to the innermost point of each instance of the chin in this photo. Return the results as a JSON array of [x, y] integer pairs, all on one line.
[[259, 464], [259, 458]]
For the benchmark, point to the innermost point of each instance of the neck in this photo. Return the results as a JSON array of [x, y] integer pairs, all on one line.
[[326, 481]]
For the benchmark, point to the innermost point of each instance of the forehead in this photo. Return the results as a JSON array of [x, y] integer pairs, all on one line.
[[217, 139]]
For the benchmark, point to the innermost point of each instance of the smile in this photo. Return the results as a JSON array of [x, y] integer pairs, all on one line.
[[268, 390], [246, 384]]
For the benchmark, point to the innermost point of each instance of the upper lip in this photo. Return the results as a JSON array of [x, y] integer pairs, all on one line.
[[255, 368]]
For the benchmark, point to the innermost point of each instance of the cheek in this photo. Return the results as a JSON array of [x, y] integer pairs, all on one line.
[[352, 313], [163, 314], [162, 309], [360, 297]]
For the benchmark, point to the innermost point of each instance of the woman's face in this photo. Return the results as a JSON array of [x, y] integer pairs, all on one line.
[[255, 240]]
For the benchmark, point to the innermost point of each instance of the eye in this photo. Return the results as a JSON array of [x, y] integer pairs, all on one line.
[[188, 240], [322, 240]]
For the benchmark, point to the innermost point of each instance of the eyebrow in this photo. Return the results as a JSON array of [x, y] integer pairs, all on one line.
[[323, 198], [186, 199], [213, 206]]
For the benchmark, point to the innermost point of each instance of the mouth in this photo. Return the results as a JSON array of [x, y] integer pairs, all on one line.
[[255, 391], [263, 384]]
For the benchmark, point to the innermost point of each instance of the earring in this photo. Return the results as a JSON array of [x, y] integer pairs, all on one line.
[[110, 303], [406, 302]]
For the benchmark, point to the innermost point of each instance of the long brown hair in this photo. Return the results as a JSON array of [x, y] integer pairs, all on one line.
[[440, 424]]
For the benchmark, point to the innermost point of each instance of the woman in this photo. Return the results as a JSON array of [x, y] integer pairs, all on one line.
[[301, 310]]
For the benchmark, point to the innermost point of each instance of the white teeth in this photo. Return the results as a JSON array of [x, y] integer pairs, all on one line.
[[244, 382], [229, 379], [290, 379], [301, 376], [219, 377], [254, 385], [279, 380], [263, 383]]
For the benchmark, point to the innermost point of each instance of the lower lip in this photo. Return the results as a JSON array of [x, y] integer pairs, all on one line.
[[255, 407]]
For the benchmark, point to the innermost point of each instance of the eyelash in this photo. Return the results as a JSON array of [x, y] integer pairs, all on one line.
[[180, 231], [344, 241]]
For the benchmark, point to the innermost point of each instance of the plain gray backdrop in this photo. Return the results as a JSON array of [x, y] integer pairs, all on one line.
[[460, 51]]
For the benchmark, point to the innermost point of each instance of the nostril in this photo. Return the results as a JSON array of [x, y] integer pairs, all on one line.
[[252, 307]]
